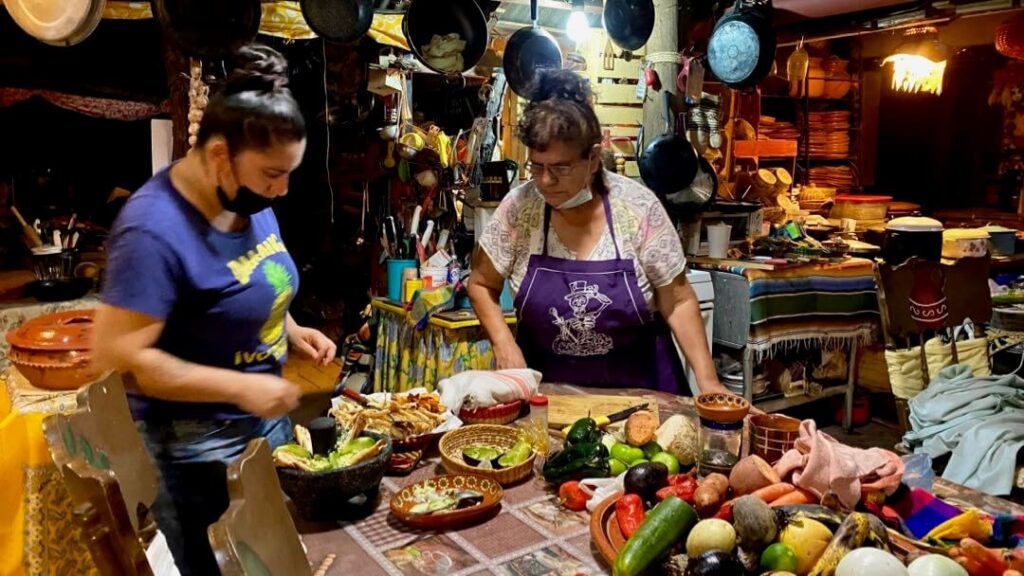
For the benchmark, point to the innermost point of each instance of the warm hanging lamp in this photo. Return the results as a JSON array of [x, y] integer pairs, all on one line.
[[919, 64]]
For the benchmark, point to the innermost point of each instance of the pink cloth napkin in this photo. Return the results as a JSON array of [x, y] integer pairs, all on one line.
[[819, 463]]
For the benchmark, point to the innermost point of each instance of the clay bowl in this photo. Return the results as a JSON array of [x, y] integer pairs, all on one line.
[[53, 351], [404, 500], [720, 407]]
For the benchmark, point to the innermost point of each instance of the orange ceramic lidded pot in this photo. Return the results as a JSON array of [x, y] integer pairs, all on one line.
[[54, 351]]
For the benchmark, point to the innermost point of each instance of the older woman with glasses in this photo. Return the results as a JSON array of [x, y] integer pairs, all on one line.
[[594, 261]]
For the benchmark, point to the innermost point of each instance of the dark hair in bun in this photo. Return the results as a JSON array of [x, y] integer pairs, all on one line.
[[254, 108], [560, 110]]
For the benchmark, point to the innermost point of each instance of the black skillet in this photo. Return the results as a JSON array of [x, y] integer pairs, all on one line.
[[425, 18], [529, 50], [629, 23], [669, 163], [338, 20], [209, 29], [742, 47]]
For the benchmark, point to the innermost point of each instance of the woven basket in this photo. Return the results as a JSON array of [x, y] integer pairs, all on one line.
[[497, 414], [816, 193], [1010, 38], [502, 437]]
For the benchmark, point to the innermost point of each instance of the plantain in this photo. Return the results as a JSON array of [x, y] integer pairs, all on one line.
[[830, 518], [857, 531]]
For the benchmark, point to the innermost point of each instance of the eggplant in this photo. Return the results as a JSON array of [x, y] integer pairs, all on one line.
[[646, 479], [714, 563]]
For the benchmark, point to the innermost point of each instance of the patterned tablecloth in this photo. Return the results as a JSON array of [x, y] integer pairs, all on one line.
[[531, 536], [407, 358], [37, 533], [820, 304]]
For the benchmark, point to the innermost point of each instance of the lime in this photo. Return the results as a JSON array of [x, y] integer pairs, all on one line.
[[618, 466], [670, 462], [640, 461], [627, 453], [779, 557], [650, 449]]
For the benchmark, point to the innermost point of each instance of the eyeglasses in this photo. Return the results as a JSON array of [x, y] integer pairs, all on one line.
[[556, 170]]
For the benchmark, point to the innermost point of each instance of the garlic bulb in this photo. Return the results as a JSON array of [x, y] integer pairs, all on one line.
[[198, 98]]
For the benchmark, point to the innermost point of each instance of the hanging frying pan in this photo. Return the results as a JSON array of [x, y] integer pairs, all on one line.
[[529, 50], [338, 20], [698, 196], [669, 163], [742, 47], [57, 22], [209, 29], [629, 23], [427, 18]]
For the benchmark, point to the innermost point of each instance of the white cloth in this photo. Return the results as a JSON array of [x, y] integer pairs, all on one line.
[[483, 388], [159, 557]]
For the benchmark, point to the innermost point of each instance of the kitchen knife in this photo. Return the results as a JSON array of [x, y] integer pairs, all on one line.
[[603, 421]]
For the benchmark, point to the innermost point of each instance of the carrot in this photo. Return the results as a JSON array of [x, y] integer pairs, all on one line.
[[798, 496], [773, 492]]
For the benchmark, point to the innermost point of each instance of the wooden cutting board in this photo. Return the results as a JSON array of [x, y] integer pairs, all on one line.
[[564, 409]]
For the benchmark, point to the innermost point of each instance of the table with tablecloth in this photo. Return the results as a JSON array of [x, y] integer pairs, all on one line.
[[821, 305], [37, 533], [407, 357], [531, 535]]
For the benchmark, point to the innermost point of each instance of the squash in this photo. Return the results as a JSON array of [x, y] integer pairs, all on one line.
[[808, 538]]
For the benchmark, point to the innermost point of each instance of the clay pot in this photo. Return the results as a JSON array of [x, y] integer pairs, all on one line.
[[53, 351], [837, 76], [815, 78]]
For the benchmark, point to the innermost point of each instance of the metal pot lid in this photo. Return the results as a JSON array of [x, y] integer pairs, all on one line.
[[61, 331], [914, 224], [55, 21]]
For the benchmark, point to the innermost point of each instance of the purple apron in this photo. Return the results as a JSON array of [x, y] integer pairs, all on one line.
[[587, 323]]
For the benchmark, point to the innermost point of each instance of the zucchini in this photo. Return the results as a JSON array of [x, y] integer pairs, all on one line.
[[666, 524], [857, 531]]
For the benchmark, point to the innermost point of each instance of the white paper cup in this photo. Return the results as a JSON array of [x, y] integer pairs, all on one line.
[[718, 240]]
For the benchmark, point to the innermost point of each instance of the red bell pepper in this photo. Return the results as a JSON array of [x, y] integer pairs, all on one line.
[[684, 488], [629, 511]]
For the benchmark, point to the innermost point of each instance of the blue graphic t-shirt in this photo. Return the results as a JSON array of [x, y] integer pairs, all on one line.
[[223, 296]]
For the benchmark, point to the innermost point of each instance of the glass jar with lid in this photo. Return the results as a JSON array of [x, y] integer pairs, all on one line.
[[721, 432]]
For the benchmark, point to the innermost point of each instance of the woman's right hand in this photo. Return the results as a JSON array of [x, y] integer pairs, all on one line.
[[267, 396], [508, 356]]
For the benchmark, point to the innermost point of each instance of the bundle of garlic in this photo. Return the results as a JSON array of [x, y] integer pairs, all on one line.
[[198, 98]]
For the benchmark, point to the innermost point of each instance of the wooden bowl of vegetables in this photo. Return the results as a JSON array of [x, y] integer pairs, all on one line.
[[501, 453]]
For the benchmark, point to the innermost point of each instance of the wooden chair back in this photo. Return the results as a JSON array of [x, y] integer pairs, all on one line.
[[960, 290], [256, 535], [108, 475]]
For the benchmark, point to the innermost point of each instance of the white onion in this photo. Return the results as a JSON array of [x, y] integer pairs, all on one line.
[[870, 561], [935, 565]]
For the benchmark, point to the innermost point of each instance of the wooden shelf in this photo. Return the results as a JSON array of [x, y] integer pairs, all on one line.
[[783, 403], [755, 149]]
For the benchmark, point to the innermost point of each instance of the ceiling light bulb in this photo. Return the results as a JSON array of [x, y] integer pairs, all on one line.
[[578, 27]]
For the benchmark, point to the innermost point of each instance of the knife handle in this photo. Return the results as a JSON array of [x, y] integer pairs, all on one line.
[[602, 421]]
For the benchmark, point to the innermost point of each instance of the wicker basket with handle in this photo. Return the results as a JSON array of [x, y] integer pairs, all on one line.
[[501, 437]]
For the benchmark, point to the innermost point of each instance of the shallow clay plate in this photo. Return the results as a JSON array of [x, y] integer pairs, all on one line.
[[404, 500]]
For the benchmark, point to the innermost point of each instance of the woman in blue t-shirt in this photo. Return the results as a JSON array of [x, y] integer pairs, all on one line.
[[196, 296]]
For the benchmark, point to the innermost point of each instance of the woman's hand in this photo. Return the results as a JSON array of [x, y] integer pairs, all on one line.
[[312, 344], [508, 356], [268, 396]]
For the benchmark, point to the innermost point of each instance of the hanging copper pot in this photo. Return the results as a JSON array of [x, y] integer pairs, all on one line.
[[54, 351]]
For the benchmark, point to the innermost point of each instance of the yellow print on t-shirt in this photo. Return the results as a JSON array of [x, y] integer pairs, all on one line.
[[272, 333], [243, 267]]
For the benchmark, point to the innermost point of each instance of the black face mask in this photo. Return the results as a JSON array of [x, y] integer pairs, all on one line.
[[245, 203]]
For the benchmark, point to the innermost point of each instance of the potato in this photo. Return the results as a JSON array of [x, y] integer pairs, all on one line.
[[707, 500]]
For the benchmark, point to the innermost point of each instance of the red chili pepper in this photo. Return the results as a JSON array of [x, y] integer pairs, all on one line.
[[683, 491], [572, 496], [725, 512], [629, 511]]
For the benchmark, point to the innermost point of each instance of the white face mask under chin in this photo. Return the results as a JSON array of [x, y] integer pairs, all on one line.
[[579, 199]]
